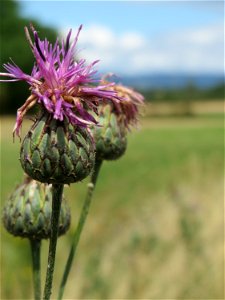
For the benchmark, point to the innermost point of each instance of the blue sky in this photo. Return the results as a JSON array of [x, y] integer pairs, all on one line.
[[141, 37], [148, 17]]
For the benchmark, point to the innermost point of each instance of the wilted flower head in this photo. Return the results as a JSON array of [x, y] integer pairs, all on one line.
[[115, 118], [128, 108], [61, 84]]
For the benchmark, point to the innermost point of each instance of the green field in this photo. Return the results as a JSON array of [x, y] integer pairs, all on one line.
[[156, 224]]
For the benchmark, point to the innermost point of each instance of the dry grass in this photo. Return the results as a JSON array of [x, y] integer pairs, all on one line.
[[183, 108]]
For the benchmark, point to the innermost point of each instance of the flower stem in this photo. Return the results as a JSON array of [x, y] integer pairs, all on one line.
[[81, 222], [35, 252], [57, 190]]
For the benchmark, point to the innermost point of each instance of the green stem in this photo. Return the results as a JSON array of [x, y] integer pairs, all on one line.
[[35, 252], [57, 190], [77, 233]]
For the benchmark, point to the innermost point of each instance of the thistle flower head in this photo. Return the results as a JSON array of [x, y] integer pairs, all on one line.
[[128, 108], [27, 212], [60, 84]]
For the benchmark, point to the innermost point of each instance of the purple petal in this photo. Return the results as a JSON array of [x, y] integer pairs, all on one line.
[[58, 111]]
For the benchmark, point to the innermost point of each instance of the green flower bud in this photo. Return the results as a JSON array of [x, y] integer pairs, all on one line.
[[110, 135], [55, 151], [27, 212]]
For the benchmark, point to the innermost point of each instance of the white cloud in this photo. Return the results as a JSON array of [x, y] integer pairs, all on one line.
[[97, 36], [192, 50], [131, 41]]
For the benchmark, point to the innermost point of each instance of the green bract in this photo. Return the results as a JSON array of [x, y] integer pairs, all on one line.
[[27, 212], [57, 152], [110, 135]]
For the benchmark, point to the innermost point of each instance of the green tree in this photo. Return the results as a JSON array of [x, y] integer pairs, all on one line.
[[15, 46]]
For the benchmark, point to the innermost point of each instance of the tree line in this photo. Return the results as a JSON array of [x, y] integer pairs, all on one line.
[[15, 46], [188, 93]]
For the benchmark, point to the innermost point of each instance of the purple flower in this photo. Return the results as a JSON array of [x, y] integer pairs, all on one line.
[[59, 83]]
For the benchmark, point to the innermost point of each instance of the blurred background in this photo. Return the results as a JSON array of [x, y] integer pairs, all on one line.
[[157, 230]]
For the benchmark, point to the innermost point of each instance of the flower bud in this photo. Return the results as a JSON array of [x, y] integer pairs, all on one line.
[[110, 135], [27, 212], [56, 151]]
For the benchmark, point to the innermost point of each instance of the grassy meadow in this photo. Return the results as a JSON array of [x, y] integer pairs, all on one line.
[[156, 224]]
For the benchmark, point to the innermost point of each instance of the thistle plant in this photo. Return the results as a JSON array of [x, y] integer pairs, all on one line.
[[27, 214], [58, 148], [81, 121]]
